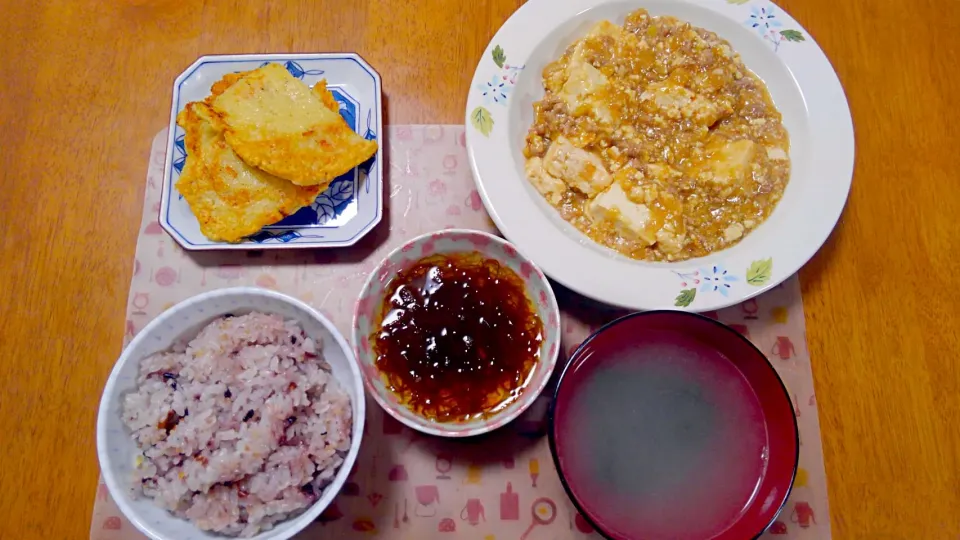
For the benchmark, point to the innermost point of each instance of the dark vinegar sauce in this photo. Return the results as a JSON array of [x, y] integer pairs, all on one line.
[[457, 336]]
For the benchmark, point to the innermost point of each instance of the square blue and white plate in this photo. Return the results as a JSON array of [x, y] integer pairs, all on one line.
[[346, 211]]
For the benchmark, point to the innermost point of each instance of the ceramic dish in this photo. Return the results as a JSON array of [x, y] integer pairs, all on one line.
[[671, 425], [117, 451], [445, 242], [341, 215], [802, 84]]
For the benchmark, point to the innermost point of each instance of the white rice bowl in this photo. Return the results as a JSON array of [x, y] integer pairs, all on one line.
[[238, 410]]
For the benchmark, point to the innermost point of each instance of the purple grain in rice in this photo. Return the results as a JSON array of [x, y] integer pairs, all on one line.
[[205, 458]]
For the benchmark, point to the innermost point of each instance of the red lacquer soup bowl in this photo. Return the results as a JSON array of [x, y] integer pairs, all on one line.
[[670, 425]]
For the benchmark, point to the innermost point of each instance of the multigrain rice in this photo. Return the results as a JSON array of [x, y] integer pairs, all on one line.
[[240, 428]]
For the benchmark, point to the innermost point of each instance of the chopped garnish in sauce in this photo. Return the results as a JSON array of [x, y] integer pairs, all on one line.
[[457, 337]]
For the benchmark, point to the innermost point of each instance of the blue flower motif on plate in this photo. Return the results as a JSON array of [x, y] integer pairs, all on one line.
[[347, 109], [180, 158], [332, 202], [365, 167], [716, 279], [497, 90], [266, 236], [766, 22], [763, 19], [369, 134]]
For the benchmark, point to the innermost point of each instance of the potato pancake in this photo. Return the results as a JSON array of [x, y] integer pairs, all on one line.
[[274, 122], [230, 199]]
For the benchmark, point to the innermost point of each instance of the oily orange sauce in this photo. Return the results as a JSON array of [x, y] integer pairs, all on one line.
[[457, 337]]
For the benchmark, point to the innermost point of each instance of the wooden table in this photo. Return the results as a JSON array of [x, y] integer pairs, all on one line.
[[84, 87]]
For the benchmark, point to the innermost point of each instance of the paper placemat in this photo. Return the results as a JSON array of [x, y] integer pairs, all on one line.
[[408, 486]]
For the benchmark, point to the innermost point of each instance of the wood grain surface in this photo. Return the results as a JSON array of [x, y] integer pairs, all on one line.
[[84, 86]]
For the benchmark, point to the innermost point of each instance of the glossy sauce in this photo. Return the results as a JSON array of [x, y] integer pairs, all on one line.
[[457, 337]]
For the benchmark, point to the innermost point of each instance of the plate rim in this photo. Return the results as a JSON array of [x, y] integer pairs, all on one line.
[[841, 173], [376, 172]]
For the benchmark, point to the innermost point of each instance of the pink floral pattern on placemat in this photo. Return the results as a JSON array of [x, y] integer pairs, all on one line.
[[410, 486]]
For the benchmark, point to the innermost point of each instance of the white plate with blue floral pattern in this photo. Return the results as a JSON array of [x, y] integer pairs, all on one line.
[[346, 211], [803, 86]]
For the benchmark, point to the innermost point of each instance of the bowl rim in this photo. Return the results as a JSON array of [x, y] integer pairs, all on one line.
[[110, 392], [551, 424], [502, 418], [510, 208]]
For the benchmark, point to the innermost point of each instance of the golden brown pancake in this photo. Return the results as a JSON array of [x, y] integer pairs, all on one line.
[[230, 199], [274, 122]]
